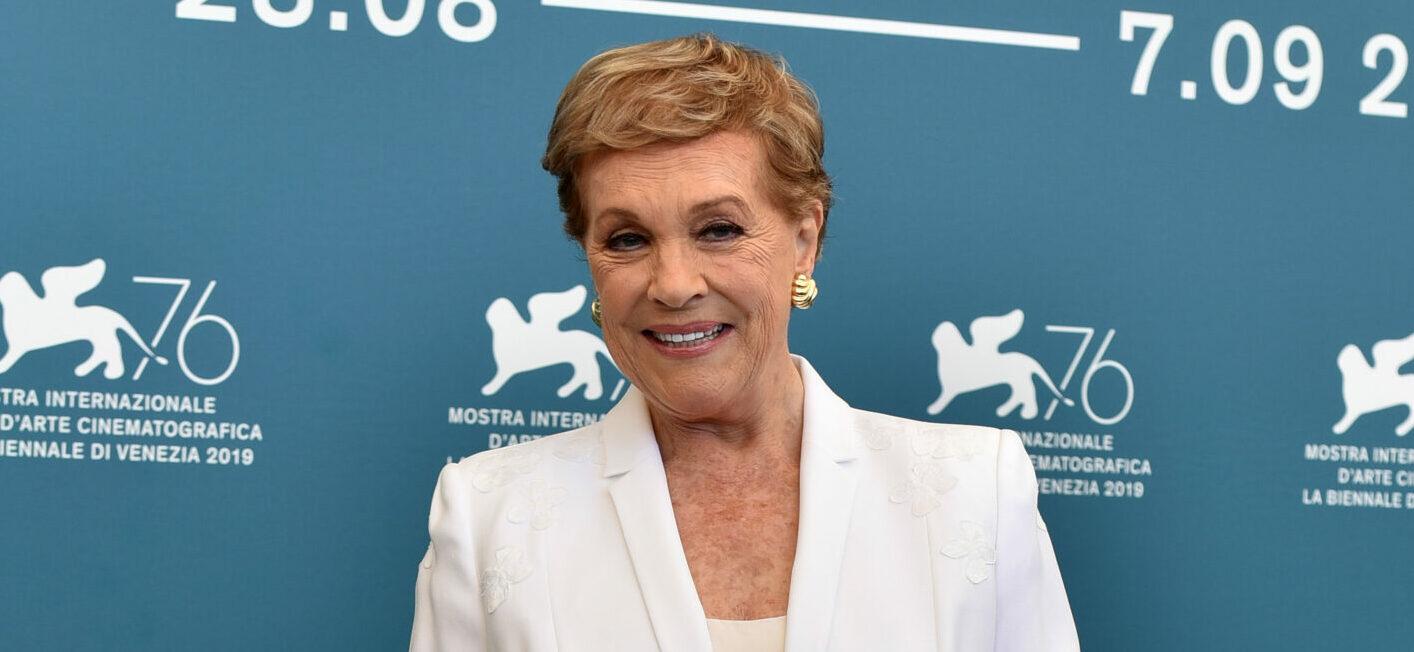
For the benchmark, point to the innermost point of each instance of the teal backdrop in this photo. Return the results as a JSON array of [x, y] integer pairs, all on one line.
[[1197, 214]]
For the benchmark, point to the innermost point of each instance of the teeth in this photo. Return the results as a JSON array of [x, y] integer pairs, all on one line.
[[689, 338]]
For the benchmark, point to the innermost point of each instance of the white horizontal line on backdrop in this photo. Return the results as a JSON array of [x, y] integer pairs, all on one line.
[[826, 21]]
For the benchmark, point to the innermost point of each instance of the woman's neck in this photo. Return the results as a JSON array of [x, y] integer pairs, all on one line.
[[763, 427]]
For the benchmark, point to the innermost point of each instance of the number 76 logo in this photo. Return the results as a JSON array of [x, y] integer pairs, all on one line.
[[33, 322], [194, 319], [967, 367]]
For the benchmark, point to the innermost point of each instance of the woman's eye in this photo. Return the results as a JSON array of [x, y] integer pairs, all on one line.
[[721, 231], [623, 241]]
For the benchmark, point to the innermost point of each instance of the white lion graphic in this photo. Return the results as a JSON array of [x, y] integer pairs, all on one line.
[[33, 323], [1369, 388], [964, 367], [519, 346]]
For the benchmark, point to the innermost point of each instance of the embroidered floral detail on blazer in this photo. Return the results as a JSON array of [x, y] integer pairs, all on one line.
[[430, 557], [582, 447], [496, 581], [941, 444], [879, 434], [973, 545], [536, 504], [502, 467], [924, 487]]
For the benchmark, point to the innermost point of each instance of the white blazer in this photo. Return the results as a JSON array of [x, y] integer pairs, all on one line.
[[912, 536]]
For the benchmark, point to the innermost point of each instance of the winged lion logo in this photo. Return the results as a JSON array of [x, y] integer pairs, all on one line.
[[32, 322], [1370, 388], [519, 346], [964, 367]]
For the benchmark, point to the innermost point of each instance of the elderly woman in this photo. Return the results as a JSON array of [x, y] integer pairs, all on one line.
[[730, 501]]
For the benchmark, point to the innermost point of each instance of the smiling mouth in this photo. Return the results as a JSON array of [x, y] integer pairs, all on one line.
[[687, 340]]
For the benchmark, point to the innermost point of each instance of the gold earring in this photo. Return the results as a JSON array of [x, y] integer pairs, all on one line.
[[596, 314], [803, 291]]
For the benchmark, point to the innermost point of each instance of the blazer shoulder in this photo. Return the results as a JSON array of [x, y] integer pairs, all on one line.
[[560, 458], [484, 501], [976, 462], [485, 488], [927, 439]]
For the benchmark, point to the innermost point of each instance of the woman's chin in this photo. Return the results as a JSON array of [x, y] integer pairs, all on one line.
[[692, 399]]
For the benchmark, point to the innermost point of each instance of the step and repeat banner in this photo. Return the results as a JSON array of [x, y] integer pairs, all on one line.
[[267, 265]]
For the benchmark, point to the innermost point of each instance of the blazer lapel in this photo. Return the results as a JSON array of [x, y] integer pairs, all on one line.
[[827, 481], [639, 488]]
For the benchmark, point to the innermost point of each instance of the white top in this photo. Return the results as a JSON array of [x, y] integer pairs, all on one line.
[[913, 537], [763, 635]]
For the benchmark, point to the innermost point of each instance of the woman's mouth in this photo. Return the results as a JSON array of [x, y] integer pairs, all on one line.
[[689, 339]]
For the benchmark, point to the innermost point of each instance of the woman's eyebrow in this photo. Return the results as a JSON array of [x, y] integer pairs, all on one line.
[[732, 200], [698, 208], [620, 213]]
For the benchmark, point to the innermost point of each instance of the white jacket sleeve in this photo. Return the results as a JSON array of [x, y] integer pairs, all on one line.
[[449, 613], [1033, 613]]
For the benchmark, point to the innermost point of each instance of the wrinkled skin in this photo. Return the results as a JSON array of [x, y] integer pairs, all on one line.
[[686, 233], [660, 252]]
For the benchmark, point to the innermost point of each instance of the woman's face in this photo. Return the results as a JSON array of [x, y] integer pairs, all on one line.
[[684, 244]]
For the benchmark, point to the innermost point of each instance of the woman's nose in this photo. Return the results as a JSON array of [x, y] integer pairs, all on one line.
[[677, 277]]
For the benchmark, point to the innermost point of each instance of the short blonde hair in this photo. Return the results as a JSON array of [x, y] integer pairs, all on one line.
[[679, 89]]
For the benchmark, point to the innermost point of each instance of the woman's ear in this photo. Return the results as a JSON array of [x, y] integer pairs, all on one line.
[[807, 237]]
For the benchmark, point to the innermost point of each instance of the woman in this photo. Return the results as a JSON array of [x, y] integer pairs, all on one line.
[[730, 501]]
